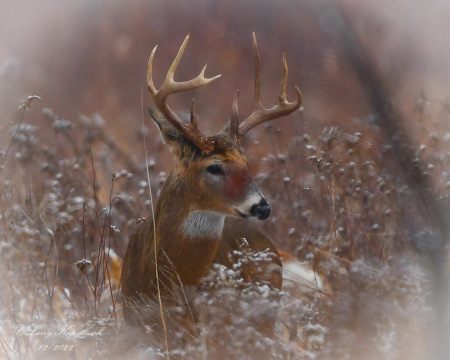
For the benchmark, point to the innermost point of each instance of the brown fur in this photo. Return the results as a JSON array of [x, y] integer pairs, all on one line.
[[184, 261]]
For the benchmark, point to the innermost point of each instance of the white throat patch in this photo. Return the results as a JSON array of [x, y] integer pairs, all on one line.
[[204, 224]]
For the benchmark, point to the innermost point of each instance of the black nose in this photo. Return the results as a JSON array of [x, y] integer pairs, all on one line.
[[261, 210]]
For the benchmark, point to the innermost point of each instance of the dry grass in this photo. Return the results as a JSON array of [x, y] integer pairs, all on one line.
[[340, 204]]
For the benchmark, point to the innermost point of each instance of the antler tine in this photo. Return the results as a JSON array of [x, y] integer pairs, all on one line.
[[170, 86], [257, 74], [176, 61], [234, 128], [284, 81], [150, 85], [260, 113], [193, 123]]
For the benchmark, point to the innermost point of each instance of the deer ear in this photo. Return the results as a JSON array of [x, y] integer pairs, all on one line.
[[179, 144]]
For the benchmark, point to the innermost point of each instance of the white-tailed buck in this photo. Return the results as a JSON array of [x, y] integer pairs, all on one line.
[[200, 217]]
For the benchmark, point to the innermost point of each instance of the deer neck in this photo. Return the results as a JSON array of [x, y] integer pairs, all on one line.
[[203, 224], [178, 214], [187, 237]]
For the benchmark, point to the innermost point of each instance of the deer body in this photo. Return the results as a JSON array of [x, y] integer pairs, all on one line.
[[199, 219]]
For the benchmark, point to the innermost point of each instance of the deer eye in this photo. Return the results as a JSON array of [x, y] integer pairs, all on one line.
[[215, 170]]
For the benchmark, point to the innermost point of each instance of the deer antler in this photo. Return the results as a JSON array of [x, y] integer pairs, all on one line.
[[260, 113], [170, 86], [234, 124]]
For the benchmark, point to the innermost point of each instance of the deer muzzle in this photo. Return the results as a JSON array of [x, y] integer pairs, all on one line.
[[261, 210]]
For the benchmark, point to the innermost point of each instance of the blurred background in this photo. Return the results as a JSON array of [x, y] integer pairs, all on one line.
[[90, 57], [358, 181]]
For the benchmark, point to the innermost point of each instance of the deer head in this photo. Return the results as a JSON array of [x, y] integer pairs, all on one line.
[[214, 167]]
